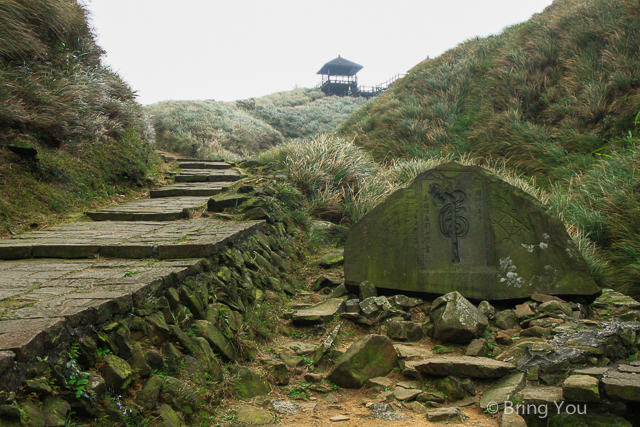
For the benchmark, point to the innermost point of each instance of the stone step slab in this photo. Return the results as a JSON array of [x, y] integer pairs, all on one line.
[[473, 367], [191, 189], [197, 238], [622, 386], [164, 209], [204, 165], [191, 159], [50, 296], [207, 175]]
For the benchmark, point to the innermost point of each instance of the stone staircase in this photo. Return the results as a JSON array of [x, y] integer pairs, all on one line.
[[81, 274]]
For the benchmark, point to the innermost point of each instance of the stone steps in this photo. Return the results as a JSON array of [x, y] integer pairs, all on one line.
[[204, 165], [191, 189], [208, 175], [157, 209], [198, 238]]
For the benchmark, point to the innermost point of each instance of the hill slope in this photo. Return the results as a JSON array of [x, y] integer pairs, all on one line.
[[556, 98], [231, 129], [92, 138]]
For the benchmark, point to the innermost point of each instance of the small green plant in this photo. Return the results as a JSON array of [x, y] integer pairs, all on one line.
[[103, 351], [77, 380]]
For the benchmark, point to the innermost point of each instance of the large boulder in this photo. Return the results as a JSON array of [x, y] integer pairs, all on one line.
[[369, 357], [460, 228], [462, 366], [457, 320]]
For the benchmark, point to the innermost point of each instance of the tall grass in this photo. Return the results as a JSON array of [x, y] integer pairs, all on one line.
[[93, 139], [543, 94], [240, 129]]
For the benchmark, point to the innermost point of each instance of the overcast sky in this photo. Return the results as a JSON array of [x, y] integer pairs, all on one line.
[[237, 49]]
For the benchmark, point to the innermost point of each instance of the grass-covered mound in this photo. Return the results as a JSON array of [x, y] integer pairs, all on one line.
[[556, 99], [235, 129], [56, 97]]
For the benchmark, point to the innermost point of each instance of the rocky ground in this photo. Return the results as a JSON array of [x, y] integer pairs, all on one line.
[[267, 333]]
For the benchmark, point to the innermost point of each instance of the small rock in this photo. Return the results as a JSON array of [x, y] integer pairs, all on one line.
[[324, 282], [55, 412], [535, 331], [249, 415], [321, 313], [247, 384], [622, 386], [505, 319], [147, 397], [451, 387], [281, 374], [581, 388], [169, 416], [285, 407], [401, 393], [431, 396], [443, 414], [504, 338], [478, 348], [379, 382], [418, 408], [404, 331], [352, 306], [369, 357], [523, 311], [332, 259], [406, 302], [503, 390], [117, 372], [331, 398], [367, 290], [339, 418], [338, 292], [457, 320], [487, 309], [512, 419]]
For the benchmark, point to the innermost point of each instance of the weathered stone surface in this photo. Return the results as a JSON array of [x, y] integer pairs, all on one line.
[[407, 394], [442, 414], [33, 413], [369, 357], [321, 313], [332, 259], [512, 419], [380, 382], [203, 164], [147, 397], [622, 386], [219, 343], [367, 290], [505, 319], [196, 238], [208, 175], [474, 367], [450, 387], [540, 395], [503, 390], [478, 348], [252, 416], [165, 209], [247, 384], [169, 416], [581, 388], [459, 228], [55, 412], [404, 331], [196, 189], [456, 319], [117, 372]]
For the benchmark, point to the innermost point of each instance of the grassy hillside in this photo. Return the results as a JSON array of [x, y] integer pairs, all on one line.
[[241, 128], [550, 104], [543, 94], [92, 138]]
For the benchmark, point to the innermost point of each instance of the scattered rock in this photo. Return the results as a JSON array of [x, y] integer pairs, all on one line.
[[487, 309], [332, 259], [147, 397], [249, 415], [451, 387], [339, 418], [505, 319], [382, 412], [401, 393], [474, 367], [367, 290], [219, 343], [116, 372], [247, 384], [285, 407], [512, 419], [55, 411], [321, 313], [369, 357], [540, 395], [431, 396], [324, 282], [503, 390], [456, 319], [404, 331], [478, 348], [169, 416], [280, 373], [380, 382], [406, 302], [443, 414], [405, 352], [581, 388], [622, 386]]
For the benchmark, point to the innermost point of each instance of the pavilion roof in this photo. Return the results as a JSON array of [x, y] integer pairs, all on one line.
[[340, 67]]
